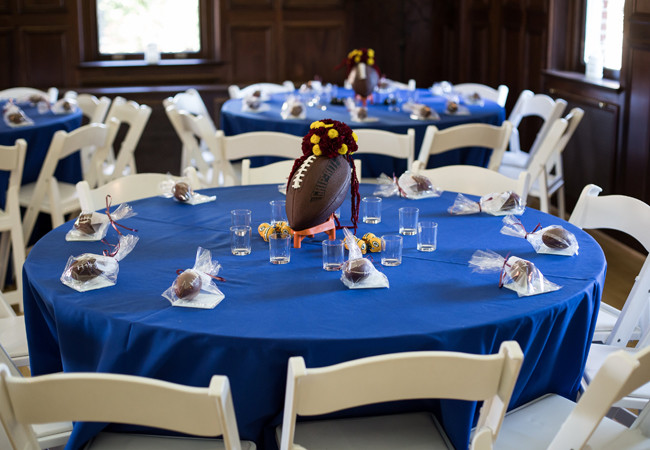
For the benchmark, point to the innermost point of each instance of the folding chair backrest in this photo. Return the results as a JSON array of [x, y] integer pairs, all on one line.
[[622, 373], [382, 142], [19, 92], [103, 397], [403, 376], [466, 135], [268, 88], [274, 173], [12, 159], [93, 108], [631, 216], [127, 188], [191, 101], [499, 95]]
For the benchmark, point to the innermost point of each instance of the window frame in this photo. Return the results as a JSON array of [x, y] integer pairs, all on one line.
[[89, 39], [609, 74]]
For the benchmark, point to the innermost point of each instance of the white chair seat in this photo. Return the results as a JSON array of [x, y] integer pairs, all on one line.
[[67, 192], [53, 434], [415, 431], [127, 441], [514, 159], [14, 339], [535, 424], [607, 317]]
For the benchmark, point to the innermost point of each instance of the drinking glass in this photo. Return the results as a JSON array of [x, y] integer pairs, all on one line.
[[279, 248], [240, 239], [333, 254], [408, 220], [371, 209], [240, 217], [391, 250], [278, 211], [427, 236]]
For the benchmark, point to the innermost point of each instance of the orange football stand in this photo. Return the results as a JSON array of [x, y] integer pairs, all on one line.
[[328, 227]]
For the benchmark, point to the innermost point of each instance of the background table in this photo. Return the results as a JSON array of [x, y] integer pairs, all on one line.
[[235, 121], [38, 137], [271, 313]]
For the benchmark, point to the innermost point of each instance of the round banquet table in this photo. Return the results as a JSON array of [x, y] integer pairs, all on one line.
[[272, 312], [235, 121], [38, 137]]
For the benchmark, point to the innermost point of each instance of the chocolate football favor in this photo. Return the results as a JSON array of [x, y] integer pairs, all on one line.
[[187, 285], [84, 269], [84, 223], [452, 107], [557, 238], [357, 270], [182, 191], [422, 183], [554, 239], [497, 204]]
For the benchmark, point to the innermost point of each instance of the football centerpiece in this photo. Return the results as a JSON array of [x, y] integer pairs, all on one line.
[[321, 178], [362, 72]]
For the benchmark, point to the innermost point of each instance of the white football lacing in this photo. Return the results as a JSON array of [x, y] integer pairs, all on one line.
[[300, 173]]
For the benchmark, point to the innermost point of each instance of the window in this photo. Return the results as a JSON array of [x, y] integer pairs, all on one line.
[[128, 27], [604, 32]]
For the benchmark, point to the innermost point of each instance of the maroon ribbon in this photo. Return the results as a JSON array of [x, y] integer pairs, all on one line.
[[180, 271], [502, 275], [114, 223], [537, 227], [399, 188]]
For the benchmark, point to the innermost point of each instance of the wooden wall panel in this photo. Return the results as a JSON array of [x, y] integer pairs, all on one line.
[[313, 49], [7, 53], [249, 4], [642, 6], [252, 52], [45, 56], [5, 6], [42, 6]]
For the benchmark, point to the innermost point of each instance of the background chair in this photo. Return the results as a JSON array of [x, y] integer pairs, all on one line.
[[274, 173], [52, 93], [398, 376], [386, 143], [134, 116], [474, 180], [190, 101], [58, 198], [267, 88], [545, 166], [498, 95], [127, 188], [49, 435], [467, 135], [531, 105], [104, 397], [13, 337], [257, 143], [12, 159], [553, 422]]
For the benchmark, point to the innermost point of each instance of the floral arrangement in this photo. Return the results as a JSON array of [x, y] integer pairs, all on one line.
[[331, 139], [361, 55]]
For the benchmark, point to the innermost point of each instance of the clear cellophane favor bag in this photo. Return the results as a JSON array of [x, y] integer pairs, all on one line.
[[15, 117], [65, 106], [183, 192], [89, 271], [497, 204], [359, 272], [293, 108], [196, 287], [553, 240], [92, 226], [408, 185], [517, 274]]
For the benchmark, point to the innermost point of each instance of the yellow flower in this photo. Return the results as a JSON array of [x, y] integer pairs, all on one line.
[[328, 125], [316, 150], [332, 133], [315, 139], [357, 59], [371, 61], [343, 150], [316, 124], [355, 137], [371, 53], [351, 54]]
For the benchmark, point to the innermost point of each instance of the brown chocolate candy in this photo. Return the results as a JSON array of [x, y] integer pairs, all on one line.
[[556, 238], [476, 97], [356, 270], [424, 111], [85, 269], [15, 118], [84, 223], [452, 107], [296, 110], [363, 113], [182, 191], [512, 202], [187, 285], [521, 271], [422, 183], [257, 93]]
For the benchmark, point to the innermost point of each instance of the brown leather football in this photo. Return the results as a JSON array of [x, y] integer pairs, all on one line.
[[316, 190]]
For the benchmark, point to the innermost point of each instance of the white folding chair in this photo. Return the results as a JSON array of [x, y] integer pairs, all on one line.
[[527, 105], [498, 95], [466, 135], [630, 216], [274, 173], [380, 142], [13, 337], [127, 188], [555, 423], [266, 88], [397, 376], [256, 143], [475, 180], [545, 166], [12, 159], [190, 101], [52, 93], [58, 198], [135, 116], [105, 397], [49, 435], [198, 138]]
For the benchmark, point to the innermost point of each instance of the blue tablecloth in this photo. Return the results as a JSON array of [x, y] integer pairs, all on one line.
[[271, 312], [235, 121], [38, 137]]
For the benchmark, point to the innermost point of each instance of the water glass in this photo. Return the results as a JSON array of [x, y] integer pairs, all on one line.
[[371, 209], [240, 239], [408, 221], [279, 248], [427, 236], [391, 250], [333, 254], [278, 211], [240, 217]]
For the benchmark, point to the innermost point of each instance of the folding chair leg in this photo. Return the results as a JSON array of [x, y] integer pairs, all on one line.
[[561, 203]]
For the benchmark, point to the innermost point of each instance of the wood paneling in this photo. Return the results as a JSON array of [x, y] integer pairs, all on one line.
[[642, 6], [45, 54], [252, 52], [5, 6], [42, 6], [7, 53], [321, 49]]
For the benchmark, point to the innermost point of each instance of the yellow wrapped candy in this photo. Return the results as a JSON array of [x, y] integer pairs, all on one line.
[[263, 227], [373, 242], [361, 243]]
